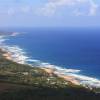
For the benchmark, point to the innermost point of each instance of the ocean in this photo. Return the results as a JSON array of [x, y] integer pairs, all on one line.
[[77, 49]]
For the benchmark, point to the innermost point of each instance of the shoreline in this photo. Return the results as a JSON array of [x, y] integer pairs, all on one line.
[[67, 78], [50, 71], [74, 78], [17, 55]]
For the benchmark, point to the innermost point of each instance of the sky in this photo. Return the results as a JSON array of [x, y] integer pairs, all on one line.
[[49, 13]]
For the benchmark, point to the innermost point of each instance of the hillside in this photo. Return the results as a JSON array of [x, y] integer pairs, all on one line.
[[23, 82]]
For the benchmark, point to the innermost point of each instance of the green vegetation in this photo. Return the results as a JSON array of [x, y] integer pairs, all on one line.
[[44, 93], [25, 74], [23, 82]]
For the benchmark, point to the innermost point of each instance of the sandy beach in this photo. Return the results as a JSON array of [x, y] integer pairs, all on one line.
[[68, 78], [71, 79], [49, 71], [7, 56]]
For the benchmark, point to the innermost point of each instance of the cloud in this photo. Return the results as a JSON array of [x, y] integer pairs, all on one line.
[[75, 7], [16, 10], [11, 11], [93, 8], [26, 9], [52, 6]]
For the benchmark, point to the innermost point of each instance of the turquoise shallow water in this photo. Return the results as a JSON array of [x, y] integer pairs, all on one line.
[[69, 48]]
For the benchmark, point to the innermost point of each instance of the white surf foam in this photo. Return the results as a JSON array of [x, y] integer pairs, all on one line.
[[87, 81], [16, 53]]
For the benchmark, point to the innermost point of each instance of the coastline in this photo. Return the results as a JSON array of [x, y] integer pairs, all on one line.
[[74, 79], [16, 54], [50, 71]]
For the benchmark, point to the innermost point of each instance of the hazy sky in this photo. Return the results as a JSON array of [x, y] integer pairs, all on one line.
[[50, 13]]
